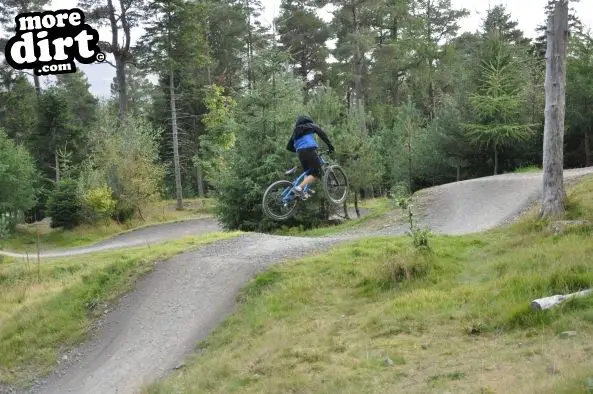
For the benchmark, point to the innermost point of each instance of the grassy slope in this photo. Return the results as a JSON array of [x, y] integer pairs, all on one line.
[[39, 318], [160, 212], [349, 322]]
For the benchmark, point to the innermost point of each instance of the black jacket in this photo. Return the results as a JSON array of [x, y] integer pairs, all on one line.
[[304, 125]]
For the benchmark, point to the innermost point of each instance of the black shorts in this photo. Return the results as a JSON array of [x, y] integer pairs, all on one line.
[[310, 161]]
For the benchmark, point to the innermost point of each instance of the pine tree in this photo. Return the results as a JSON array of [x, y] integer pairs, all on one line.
[[499, 104], [499, 22], [303, 35], [9, 9]]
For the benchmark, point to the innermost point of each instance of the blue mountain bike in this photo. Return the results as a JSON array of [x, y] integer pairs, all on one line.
[[280, 201]]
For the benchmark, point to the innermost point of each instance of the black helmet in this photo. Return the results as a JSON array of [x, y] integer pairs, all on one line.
[[303, 119]]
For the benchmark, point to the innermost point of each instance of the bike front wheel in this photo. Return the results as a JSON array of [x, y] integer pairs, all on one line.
[[279, 202], [335, 184]]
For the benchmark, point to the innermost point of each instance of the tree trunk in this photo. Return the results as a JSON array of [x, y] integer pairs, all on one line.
[[409, 159], [495, 160], [120, 74], [356, 205], [358, 63], [458, 173], [57, 160], [587, 151], [119, 55], [37, 86], [249, 49], [200, 177], [199, 174], [178, 189], [346, 211], [554, 195]]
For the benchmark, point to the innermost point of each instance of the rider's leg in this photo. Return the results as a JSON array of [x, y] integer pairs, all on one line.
[[307, 181], [311, 163]]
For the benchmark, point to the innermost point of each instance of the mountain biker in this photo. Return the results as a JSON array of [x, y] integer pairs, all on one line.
[[304, 144]]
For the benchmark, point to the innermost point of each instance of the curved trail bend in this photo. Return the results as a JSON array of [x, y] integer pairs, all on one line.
[[184, 298]]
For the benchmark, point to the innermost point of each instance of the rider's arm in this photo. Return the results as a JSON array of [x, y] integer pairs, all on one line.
[[290, 145], [323, 136]]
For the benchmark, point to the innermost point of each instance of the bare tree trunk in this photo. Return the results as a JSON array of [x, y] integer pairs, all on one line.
[[37, 85], [358, 63], [200, 180], [495, 160], [57, 160], [120, 74], [346, 211], [554, 195], [409, 159], [249, 49], [120, 53], [356, 205], [458, 173], [178, 189], [199, 174], [587, 150]]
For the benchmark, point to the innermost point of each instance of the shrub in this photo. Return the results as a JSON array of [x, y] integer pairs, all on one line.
[[18, 177], [123, 212], [420, 235], [6, 227], [126, 158], [64, 206], [99, 203]]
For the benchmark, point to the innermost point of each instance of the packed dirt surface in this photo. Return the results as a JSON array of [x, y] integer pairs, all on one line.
[[143, 236], [482, 203], [156, 326]]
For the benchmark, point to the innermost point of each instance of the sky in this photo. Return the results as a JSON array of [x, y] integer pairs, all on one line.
[[528, 13]]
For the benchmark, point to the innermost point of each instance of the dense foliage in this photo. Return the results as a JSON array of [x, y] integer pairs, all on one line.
[[408, 99]]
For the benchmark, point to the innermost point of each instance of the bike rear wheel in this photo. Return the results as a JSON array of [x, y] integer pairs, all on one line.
[[335, 184], [279, 202]]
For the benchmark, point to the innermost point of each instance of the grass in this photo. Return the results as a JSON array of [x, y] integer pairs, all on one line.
[[25, 237], [40, 318], [526, 169], [378, 316], [377, 207]]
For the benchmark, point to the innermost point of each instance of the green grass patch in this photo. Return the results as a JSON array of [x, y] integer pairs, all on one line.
[[527, 169], [49, 307], [25, 237], [377, 315]]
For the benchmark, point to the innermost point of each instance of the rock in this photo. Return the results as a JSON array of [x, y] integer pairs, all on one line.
[[179, 366], [561, 226], [568, 334], [388, 361]]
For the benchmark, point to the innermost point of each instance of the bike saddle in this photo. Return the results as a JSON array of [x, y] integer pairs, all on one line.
[[291, 171]]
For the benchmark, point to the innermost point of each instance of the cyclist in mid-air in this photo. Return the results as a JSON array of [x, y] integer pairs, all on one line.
[[304, 144]]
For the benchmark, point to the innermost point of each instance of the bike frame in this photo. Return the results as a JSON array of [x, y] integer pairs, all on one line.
[[287, 195]]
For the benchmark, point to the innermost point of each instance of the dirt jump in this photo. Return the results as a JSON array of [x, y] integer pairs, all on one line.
[[157, 325]]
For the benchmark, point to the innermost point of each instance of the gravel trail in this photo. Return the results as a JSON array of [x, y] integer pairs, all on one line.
[[143, 236], [154, 327]]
